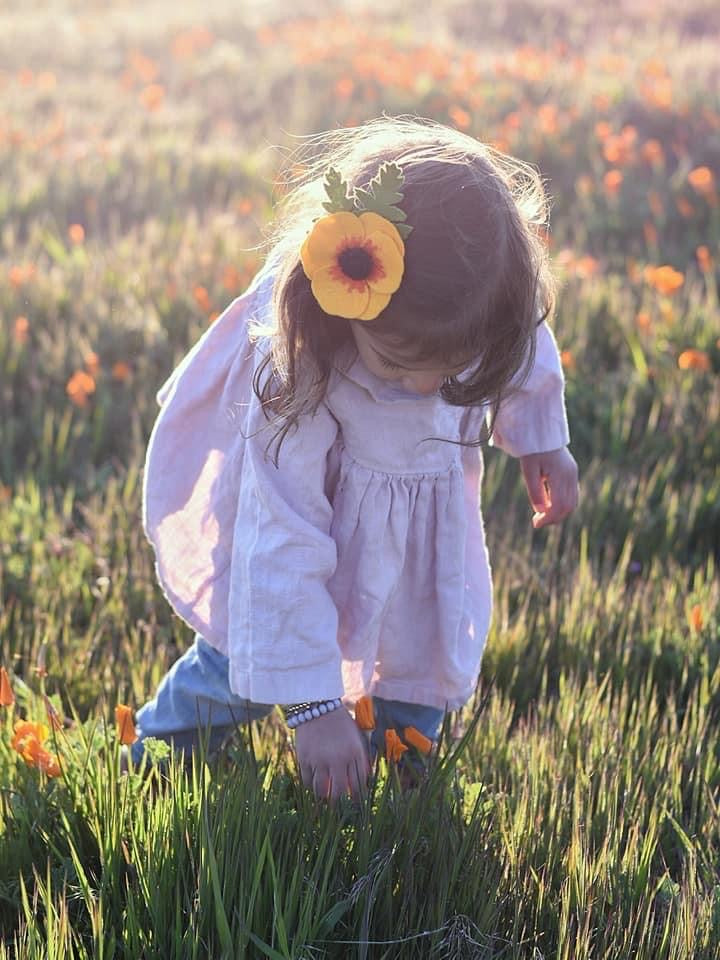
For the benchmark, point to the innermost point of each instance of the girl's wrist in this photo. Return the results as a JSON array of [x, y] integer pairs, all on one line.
[[299, 713]]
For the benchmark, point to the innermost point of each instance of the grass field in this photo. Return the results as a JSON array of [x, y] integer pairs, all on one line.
[[141, 150]]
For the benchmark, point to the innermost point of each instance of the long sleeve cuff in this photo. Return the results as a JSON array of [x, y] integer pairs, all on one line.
[[534, 419]]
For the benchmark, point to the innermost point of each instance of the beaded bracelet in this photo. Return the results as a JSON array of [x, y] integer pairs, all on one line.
[[299, 713]]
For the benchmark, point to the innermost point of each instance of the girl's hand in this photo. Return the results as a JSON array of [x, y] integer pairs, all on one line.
[[332, 755], [552, 484]]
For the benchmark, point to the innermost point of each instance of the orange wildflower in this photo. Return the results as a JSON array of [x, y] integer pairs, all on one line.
[[344, 87], [79, 387], [461, 118], [364, 713], [603, 130], [76, 233], [125, 724], [568, 360], [586, 267], [702, 180], [20, 330], [7, 697], [613, 181], [28, 739], [643, 320], [152, 96], [121, 371], [665, 279], [695, 617], [704, 258], [693, 359], [202, 298], [394, 747], [21, 274], [417, 739], [24, 732], [652, 152], [47, 762]]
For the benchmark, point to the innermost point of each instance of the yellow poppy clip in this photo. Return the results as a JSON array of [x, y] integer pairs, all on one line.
[[355, 256]]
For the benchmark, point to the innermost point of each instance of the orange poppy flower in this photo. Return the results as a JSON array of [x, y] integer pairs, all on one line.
[[394, 747], [613, 181], [21, 329], [693, 359], [7, 697], [354, 263], [76, 234], [417, 739], [567, 359], [79, 387], [202, 298], [121, 371], [695, 617], [704, 258], [152, 96], [364, 714], [49, 763], [665, 279], [28, 739], [125, 724], [702, 180]]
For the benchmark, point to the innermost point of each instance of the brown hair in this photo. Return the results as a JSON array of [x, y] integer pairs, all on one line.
[[476, 280]]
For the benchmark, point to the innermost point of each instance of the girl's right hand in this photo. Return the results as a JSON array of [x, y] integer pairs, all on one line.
[[332, 755]]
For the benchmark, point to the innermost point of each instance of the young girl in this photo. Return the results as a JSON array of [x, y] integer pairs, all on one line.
[[312, 482]]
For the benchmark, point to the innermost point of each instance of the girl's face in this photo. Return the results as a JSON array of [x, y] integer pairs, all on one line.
[[390, 364]]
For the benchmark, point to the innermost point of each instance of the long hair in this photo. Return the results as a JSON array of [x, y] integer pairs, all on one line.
[[476, 281]]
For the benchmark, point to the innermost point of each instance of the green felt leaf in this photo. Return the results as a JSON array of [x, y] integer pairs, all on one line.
[[382, 195], [338, 192]]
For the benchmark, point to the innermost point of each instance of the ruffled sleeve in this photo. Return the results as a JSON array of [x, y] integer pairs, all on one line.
[[283, 623], [533, 419]]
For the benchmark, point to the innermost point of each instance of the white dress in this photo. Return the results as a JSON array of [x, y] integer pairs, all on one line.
[[356, 566]]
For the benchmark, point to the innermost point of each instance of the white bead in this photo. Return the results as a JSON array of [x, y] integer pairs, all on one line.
[[323, 708], [315, 712], [308, 714]]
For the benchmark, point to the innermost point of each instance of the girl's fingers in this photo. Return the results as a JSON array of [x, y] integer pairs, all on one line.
[[563, 500], [536, 486], [358, 772]]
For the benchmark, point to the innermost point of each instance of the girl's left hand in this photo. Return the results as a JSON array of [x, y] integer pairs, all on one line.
[[551, 479]]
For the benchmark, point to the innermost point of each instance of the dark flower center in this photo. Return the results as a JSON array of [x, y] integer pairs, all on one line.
[[356, 263]]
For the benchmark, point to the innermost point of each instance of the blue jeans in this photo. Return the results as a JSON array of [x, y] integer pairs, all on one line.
[[194, 702]]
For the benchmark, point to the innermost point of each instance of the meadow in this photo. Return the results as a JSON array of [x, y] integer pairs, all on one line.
[[573, 809]]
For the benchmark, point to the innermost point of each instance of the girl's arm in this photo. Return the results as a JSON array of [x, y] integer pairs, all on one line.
[[283, 621], [531, 425], [533, 418]]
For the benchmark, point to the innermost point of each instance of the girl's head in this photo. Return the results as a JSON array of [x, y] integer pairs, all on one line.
[[475, 282]]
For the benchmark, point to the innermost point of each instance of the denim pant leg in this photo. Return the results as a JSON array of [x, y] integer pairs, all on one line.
[[194, 702], [396, 715]]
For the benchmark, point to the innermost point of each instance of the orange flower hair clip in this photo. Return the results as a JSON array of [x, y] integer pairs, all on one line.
[[355, 256]]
